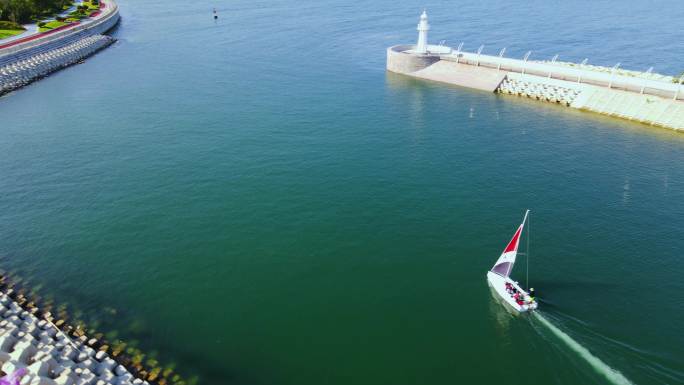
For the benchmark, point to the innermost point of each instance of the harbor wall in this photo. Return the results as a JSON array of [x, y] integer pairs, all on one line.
[[103, 23], [644, 100], [24, 62]]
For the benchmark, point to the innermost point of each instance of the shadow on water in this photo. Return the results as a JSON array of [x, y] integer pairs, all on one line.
[[545, 286], [500, 313]]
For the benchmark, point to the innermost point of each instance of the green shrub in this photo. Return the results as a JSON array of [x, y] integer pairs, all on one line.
[[41, 24], [60, 18], [10, 25]]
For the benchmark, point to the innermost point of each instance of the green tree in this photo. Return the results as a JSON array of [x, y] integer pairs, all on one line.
[[23, 11]]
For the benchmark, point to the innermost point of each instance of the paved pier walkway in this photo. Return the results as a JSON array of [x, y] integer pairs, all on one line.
[[464, 75]]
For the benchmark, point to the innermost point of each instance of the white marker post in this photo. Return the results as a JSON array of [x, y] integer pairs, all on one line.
[[676, 95], [527, 55], [648, 72], [582, 64], [501, 53], [612, 74], [553, 60], [479, 51]]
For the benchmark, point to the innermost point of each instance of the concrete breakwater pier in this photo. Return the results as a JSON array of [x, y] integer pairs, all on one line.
[[639, 96], [26, 60]]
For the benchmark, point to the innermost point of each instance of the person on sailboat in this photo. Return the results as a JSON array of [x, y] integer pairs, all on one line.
[[13, 378]]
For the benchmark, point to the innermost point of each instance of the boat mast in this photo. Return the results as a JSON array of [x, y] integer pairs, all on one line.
[[527, 255]]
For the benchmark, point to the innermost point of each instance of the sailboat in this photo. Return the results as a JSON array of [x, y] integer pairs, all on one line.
[[499, 278]]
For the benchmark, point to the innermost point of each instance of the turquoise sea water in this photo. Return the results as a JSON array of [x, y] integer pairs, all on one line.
[[263, 204]]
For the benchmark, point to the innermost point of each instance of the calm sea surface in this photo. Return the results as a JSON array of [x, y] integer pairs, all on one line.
[[261, 203]]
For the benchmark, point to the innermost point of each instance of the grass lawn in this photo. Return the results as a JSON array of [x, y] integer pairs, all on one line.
[[91, 6], [10, 28], [9, 32], [52, 25], [77, 15]]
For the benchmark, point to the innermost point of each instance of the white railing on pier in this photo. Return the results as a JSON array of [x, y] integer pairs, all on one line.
[[552, 70]]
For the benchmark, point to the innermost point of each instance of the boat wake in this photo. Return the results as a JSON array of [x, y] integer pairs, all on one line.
[[601, 367]]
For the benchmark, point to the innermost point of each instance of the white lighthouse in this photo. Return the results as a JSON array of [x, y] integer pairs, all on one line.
[[423, 28]]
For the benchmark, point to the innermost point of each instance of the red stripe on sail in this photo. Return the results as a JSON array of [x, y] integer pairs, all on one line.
[[513, 244]]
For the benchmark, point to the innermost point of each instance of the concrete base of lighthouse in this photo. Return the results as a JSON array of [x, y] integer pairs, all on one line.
[[401, 60], [404, 60]]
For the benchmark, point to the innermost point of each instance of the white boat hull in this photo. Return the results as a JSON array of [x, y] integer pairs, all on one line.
[[498, 284]]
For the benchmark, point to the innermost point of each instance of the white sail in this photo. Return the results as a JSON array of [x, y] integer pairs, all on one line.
[[504, 265]]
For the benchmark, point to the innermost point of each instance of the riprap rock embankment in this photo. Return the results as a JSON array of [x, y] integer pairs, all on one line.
[[22, 72], [49, 355]]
